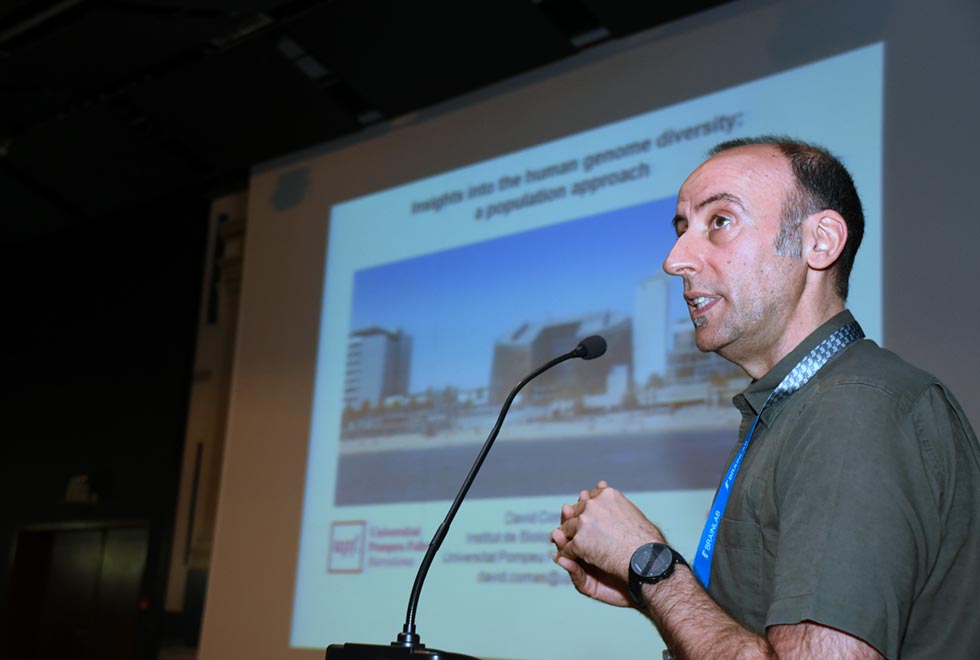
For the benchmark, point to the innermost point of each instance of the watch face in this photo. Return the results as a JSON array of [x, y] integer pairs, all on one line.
[[651, 560]]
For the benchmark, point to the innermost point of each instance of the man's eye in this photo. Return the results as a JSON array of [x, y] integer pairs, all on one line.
[[720, 222]]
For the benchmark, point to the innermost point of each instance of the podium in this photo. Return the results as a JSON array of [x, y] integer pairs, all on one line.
[[392, 652]]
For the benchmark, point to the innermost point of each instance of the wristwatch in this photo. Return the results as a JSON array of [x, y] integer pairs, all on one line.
[[651, 563]]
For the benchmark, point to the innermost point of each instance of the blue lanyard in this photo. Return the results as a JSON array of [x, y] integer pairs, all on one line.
[[794, 380]]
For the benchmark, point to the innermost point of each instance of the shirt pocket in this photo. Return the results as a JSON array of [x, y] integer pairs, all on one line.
[[737, 573]]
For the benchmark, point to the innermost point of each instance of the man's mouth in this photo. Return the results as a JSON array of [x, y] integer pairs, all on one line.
[[699, 306], [701, 302]]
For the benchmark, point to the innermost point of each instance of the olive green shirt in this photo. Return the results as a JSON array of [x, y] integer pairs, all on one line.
[[857, 507]]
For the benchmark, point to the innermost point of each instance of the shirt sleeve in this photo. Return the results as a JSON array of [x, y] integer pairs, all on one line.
[[856, 498]]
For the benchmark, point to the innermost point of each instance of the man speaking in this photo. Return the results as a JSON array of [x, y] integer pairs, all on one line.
[[847, 524]]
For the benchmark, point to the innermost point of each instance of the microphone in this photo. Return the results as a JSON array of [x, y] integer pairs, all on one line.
[[409, 644], [590, 348]]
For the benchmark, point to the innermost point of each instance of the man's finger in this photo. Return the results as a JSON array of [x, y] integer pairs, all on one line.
[[567, 511], [599, 487], [569, 528]]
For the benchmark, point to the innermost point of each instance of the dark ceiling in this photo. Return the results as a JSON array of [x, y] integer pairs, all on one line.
[[113, 107]]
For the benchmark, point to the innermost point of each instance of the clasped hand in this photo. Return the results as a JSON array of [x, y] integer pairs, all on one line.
[[596, 539]]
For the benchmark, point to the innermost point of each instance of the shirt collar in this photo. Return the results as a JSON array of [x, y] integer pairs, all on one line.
[[755, 395]]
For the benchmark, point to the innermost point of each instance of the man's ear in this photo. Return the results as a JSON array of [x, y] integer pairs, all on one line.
[[824, 236]]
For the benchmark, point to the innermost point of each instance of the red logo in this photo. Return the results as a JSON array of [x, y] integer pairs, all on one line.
[[346, 552]]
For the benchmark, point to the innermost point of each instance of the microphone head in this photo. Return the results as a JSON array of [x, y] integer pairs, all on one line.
[[590, 347]]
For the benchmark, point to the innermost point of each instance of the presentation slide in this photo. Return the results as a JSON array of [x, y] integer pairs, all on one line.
[[441, 294]]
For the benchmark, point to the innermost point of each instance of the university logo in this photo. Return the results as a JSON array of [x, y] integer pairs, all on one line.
[[346, 551]]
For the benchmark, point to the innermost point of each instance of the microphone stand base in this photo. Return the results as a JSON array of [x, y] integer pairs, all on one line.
[[390, 652]]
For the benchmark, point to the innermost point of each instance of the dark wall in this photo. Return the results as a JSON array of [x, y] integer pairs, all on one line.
[[97, 352]]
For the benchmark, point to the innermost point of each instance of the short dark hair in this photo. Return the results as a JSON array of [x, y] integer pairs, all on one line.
[[822, 182]]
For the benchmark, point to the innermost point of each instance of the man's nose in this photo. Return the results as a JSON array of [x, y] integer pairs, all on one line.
[[682, 259]]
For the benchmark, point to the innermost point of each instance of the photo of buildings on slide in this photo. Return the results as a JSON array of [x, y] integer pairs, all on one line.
[[438, 341]]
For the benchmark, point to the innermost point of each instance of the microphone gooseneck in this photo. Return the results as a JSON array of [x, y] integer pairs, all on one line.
[[587, 349]]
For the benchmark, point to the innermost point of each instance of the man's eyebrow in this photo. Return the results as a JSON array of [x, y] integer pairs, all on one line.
[[728, 197], [722, 196]]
